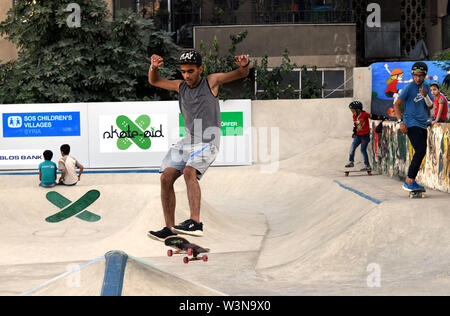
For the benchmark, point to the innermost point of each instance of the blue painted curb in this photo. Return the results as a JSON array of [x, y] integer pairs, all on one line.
[[371, 199], [115, 263], [33, 173]]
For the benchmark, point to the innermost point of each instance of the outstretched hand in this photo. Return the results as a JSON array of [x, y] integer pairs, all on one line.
[[241, 60], [157, 61]]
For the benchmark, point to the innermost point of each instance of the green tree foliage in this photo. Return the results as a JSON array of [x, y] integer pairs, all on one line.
[[443, 59], [270, 80], [214, 63], [311, 83], [103, 60]]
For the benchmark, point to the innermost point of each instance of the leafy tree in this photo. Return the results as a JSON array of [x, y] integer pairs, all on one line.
[[271, 80], [214, 63], [443, 60], [101, 61], [311, 83]]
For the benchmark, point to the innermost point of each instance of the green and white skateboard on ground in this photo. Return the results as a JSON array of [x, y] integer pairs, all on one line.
[[70, 209]]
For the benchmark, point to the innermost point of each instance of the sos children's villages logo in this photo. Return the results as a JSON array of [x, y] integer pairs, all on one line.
[[136, 132]]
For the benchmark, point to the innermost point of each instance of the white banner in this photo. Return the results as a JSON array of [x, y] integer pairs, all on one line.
[[113, 135], [21, 157]]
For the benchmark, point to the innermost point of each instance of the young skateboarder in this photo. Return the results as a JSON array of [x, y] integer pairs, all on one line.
[[361, 133], [416, 98], [192, 156]]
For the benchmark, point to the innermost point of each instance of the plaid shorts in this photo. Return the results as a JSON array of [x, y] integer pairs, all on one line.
[[198, 156]]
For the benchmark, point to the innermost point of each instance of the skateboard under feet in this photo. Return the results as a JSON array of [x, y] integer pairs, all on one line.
[[183, 247], [347, 172], [417, 194]]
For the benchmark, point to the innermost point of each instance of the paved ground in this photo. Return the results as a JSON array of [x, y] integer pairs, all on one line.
[[304, 229]]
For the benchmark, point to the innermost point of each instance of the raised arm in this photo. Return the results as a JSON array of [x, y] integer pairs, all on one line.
[[155, 80], [215, 80]]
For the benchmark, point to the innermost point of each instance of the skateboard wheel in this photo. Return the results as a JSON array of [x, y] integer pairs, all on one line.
[[205, 258], [190, 251], [369, 173], [169, 253], [346, 174], [186, 260]]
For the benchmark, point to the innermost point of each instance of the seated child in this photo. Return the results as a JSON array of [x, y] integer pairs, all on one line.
[[68, 166], [47, 171], [440, 104]]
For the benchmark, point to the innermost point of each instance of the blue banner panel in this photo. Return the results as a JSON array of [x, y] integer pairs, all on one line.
[[42, 124]]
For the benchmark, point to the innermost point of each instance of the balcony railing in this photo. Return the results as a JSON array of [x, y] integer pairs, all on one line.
[[181, 23], [262, 17]]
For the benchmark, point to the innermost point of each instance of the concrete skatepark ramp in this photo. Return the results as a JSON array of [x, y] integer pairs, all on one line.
[[291, 226]]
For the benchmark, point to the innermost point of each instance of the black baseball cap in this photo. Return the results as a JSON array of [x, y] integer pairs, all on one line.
[[190, 57], [419, 67]]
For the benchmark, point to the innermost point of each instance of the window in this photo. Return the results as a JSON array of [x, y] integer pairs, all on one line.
[[332, 81]]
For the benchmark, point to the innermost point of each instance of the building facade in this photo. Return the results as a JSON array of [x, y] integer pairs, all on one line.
[[333, 35]]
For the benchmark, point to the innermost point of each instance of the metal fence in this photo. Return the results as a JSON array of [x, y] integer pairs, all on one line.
[[255, 18]]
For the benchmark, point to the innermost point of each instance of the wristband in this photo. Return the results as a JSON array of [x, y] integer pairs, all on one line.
[[153, 67]]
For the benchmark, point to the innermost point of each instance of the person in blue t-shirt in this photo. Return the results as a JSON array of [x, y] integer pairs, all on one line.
[[47, 171], [417, 103]]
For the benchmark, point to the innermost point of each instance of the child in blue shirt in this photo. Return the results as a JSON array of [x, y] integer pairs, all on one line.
[[47, 171], [418, 101]]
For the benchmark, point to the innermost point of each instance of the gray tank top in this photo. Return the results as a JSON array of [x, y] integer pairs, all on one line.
[[201, 113]]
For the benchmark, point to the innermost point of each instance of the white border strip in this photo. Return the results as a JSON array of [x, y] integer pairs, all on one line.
[[61, 276]]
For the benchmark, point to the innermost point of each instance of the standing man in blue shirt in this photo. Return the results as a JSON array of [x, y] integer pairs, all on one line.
[[417, 102]]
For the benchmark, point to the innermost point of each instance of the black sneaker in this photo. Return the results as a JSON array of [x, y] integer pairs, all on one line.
[[189, 227], [161, 235], [367, 168]]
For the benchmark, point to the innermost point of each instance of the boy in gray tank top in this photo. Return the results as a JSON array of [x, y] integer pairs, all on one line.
[[194, 154]]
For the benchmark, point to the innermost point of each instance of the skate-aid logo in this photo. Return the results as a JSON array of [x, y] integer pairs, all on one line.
[[130, 132]]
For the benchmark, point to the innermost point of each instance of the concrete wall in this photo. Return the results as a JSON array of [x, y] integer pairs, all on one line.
[[392, 152], [362, 86], [434, 32], [8, 50], [280, 125]]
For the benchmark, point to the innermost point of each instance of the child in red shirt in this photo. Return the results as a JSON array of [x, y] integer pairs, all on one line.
[[361, 133], [440, 104]]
